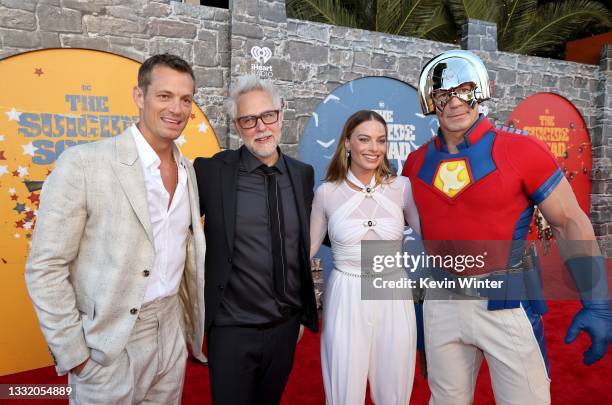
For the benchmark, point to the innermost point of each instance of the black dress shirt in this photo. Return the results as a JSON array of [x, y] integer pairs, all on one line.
[[249, 298]]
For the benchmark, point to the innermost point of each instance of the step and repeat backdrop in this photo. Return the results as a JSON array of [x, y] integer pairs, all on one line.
[[53, 99]]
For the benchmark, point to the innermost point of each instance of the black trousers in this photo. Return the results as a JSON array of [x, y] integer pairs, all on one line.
[[250, 365]]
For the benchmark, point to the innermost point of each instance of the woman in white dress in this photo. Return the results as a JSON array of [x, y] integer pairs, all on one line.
[[362, 199]]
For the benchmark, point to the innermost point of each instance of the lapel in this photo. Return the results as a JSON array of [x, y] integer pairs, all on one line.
[[295, 175], [229, 180], [194, 204], [129, 174]]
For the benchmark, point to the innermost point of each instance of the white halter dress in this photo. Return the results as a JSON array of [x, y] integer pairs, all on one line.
[[363, 340]]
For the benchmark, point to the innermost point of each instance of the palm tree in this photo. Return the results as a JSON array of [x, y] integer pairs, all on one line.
[[523, 26], [416, 18], [532, 27]]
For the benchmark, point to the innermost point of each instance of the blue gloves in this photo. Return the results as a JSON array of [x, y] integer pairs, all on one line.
[[595, 318]]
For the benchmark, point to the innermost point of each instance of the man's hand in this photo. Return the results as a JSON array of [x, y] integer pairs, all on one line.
[[583, 259], [300, 334], [596, 321], [77, 370]]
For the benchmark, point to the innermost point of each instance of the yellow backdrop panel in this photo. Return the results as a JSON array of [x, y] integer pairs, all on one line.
[[50, 100]]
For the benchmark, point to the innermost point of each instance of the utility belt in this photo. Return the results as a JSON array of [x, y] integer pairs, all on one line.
[[512, 285]]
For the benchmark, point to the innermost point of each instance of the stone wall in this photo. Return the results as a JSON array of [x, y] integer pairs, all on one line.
[[132, 28], [311, 59], [308, 61], [601, 142]]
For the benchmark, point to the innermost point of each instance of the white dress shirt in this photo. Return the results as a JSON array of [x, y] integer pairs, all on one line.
[[170, 224]]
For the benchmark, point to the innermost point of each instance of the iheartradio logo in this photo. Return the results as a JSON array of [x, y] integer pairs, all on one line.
[[261, 54]]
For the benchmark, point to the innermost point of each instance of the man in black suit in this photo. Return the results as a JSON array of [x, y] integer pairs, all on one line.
[[258, 289]]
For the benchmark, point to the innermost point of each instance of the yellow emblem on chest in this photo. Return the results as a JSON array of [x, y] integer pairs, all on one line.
[[452, 177]]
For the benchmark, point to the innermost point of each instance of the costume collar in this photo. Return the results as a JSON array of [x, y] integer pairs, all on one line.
[[471, 136]]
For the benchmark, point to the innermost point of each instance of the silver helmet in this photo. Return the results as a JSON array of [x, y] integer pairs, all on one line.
[[445, 73]]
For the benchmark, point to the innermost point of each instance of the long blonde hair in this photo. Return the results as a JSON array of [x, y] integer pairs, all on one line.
[[340, 163]]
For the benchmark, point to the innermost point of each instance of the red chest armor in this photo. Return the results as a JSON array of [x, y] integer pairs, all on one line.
[[484, 192]]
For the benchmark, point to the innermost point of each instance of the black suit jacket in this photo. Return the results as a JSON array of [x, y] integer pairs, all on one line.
[[217, 180]]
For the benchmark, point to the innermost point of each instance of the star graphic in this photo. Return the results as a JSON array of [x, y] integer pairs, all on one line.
[[15, 173], [180, 141], [2, 155], [1, 138], [17, 235], [29, 149], [12, 190], [3, 170], [202, 127], [27, 225], [38, 72], [30, 215], [33, 197], [19, 224], [192, 116], [23, 171], [19, 207], [14, 197], [29, 235], [13, 115]]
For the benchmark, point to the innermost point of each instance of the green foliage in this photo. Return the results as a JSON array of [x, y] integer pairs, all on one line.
[[523, 26], [552, 24], [462, 10], [332, 12], [419, 18]]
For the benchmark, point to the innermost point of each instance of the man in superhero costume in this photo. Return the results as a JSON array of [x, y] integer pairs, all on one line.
[[476, 182]]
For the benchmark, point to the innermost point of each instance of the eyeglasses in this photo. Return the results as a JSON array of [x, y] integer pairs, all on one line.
[[464, 93], [250, 121]]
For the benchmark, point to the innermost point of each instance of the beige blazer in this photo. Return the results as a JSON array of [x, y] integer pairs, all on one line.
[[93, 249]]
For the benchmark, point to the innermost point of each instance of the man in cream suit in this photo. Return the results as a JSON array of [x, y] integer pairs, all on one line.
[[117, 258]]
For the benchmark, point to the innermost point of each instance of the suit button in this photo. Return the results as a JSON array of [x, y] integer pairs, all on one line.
[[229, 260], [133, 311], [146, 273]]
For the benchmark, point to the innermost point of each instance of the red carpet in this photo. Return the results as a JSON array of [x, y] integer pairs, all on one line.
[[572, 382]]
